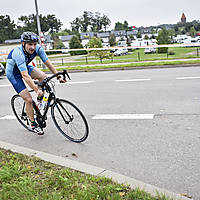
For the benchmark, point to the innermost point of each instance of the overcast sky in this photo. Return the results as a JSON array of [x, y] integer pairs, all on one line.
[[135, 12]]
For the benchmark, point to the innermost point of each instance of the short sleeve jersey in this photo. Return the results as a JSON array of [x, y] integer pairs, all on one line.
[[18, 61]]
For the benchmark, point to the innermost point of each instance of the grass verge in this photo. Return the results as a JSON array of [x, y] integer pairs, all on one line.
[[23, 177], [128, 65]]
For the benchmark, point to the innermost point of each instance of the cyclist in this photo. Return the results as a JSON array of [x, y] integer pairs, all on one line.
[[18, 68]]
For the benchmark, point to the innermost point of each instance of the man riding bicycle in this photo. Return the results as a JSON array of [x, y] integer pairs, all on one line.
[[18, 68]]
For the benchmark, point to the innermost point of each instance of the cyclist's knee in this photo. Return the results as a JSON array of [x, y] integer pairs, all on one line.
[[26, 96], [28, 100], [38, 74], [42, 76]]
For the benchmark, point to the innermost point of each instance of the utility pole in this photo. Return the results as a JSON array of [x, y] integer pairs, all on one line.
[[38, 19]]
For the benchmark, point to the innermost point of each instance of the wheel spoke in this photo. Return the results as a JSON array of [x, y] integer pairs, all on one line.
[[70, 121], [19, 110]]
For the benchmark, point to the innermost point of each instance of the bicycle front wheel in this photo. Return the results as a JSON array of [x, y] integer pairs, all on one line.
[[70, 121], [19, 109]]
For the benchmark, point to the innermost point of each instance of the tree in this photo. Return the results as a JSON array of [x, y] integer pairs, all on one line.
[[90, 21], [95, 43], [112, 40], [146, 37], [193, 32], [121, 26], [7, 28], [49, 22], [96, 24], [126, 25], [163, 38], [75, 43], [75, 25], [85, 20], [101, 54], [58, 43], [139, 35], [105, 21]]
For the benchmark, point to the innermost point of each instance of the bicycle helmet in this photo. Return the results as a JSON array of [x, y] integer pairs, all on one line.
[[29, 37]]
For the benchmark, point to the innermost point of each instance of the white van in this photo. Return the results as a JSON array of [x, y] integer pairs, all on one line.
[[149, 50], [120, 52]]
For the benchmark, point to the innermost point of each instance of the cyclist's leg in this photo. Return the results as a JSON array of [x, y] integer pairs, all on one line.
[[20, 88], [25, 94], [36, 73]]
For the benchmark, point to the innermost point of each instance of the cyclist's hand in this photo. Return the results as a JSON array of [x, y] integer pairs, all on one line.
[[61, 80], [40, 93]]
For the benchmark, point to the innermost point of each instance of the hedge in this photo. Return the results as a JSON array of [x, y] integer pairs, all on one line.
[[53, 52], [79, 52]]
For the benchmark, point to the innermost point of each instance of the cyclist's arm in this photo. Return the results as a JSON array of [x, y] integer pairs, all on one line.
[[40, 51], [50, 66], [31, 83], [54, 71]]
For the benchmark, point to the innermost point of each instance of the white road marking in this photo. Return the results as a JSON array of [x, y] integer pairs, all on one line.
[[8, 117], [6, 85], [185, 78], [77, 82], [123, 116], [133, 80], [100, 116]]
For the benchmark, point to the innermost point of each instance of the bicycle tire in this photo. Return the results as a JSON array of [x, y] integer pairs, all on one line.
[[77, 126], [20, 112]]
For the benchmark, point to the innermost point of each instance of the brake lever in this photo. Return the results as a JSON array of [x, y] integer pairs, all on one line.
[[65, 72]]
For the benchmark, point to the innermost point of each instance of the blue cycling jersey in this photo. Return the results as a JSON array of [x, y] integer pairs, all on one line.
[[18, 62]]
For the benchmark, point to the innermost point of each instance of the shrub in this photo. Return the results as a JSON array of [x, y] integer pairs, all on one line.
[[170, 52], [78, 52], [53, 52], [162, 49]]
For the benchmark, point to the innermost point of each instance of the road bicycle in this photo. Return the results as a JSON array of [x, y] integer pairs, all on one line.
[[67, 117]]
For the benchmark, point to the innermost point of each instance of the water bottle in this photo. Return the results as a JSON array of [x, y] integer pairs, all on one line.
[[44, 101], [39, 101]]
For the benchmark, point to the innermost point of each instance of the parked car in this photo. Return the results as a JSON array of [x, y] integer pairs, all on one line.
[[2, 70], [121, 52], [113, 50], [150, 50]]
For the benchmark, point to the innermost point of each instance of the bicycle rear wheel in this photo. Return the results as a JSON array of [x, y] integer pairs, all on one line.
[[19, 109], [69, 120]]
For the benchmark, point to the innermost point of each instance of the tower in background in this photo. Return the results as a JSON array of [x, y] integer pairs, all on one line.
[[183, 18]]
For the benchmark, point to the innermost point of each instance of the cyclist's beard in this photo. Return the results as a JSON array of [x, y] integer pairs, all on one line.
[[27, 52]]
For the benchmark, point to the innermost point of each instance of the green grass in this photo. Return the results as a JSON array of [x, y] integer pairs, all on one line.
[[128, 65], [23, 177], [180, 52], [136, 55]]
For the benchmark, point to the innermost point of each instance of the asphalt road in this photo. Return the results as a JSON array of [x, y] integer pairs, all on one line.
[[163, 151]]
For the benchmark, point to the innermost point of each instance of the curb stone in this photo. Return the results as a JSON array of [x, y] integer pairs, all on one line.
[[93, 170]]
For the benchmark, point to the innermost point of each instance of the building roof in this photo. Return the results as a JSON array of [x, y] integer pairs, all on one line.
[[65, 37], [133, 32], [119, 33], [86, 35], [13, 41], [103, 35]]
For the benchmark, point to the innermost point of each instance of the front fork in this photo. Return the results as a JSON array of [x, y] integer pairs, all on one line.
[[70, 117]]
